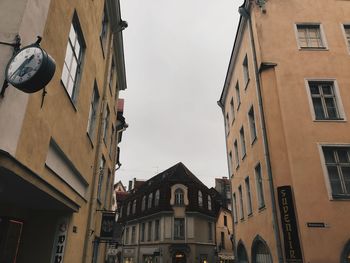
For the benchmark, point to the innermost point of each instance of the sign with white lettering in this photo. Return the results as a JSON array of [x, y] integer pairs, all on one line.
[[60, 241], [289, 225], [107, 224]]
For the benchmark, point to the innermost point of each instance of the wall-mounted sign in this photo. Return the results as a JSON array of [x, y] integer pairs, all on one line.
[[107, 225], [60, 241], [316, 224], [30, 69], [289, 225]]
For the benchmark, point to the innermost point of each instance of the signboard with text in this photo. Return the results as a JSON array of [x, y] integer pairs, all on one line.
[[107, 224], [289, 225]]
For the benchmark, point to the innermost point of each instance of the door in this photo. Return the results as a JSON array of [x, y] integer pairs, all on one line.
[[10, 236], [179, 257]]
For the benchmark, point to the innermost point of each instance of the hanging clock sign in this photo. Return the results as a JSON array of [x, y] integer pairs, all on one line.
[[30, 69]]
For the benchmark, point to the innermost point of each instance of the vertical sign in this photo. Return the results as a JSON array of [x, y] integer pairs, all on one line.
[[107, 225], [289, 225], [60, 241]]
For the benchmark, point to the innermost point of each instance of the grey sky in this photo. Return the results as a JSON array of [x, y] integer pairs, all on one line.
[[177, 53]]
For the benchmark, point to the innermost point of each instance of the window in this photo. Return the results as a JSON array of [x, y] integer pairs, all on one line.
[[134, 207], [100, 178], [225, 220], [241, 209], [245, 71], [133, 235], [156, 229], [232, 107], [127, 236], [179, 196], [235, 145], [324, 100], [227, 124], [111, 75], [105, 123], [234, 207], [249, 197], [230, 163], [150, 199], [156, 198], [143, 226], [241, 135], [338, 167], [179, 228], [222, 242], [252, 124], [93, 111], [200, 198], [111, 142], [104, 29], [309, 36], [149, 234], [347, 35], [259, 186], [210, 231], [107, 187], [261, 253], [128, 209], [143, 205], [238, 96], [72, 66], [242, 253], [209, 202]]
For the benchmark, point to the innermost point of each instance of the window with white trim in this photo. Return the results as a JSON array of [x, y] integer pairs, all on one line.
[[179, 196], [238, 96], [134, 207], [245, 71], [72, 66], [310, 36], [150, 201], [232, 109], [241, 209], [156, 198], [242, 137], [104, 29], [259, 186], [179, 228], [93, 111], [105, 123], [200, 198], [227, 124], [347, 35], [324, 100], [235, 146], [252, 125], [337, 161], [209, 202], [249, 196], [101, 172], [143, 204], [234, 207]]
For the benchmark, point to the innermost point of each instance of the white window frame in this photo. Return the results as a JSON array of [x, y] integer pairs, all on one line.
[[94, 103], [347, 42], [245, 66], [325, 170], [253, 135], [322, 34], [342, 117], [243, 143], [248, 190], [236, 150], [260, 197], [241, 203], [234, 200]]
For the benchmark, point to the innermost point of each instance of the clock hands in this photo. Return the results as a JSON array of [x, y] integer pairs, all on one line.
[[21, 67]]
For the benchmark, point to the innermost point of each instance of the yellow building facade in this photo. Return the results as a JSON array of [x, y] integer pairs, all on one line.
[[285, 103], [58, 146]]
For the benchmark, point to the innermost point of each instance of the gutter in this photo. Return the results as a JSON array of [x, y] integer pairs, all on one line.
[[245, 12]]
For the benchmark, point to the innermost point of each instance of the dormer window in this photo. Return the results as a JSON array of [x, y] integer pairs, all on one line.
[[143, 205], [179, 196], [209, 202], [200, 198], [150, 198], [128, 209], [134, 207], [156, 198]]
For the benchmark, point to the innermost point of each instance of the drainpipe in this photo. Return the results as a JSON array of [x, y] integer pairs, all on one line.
[[246, 14]]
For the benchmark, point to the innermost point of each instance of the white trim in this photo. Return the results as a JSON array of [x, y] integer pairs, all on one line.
[[341, 111], [347, 44], [322, 32]]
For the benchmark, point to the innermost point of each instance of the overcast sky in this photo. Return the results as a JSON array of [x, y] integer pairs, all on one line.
[[177, 53]]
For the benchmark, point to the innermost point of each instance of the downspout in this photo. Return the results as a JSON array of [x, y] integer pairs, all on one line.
[[246, 14], [231, 195]]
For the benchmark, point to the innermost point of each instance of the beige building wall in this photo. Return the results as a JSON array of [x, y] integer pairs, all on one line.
[[225, 226], [294, 137]]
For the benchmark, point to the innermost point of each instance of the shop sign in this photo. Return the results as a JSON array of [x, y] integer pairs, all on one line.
[[289, 225], [60, 241], [107, 224]]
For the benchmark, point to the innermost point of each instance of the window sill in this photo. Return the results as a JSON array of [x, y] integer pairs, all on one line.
[[246, 84], [243, 156], [250, 214], [330, 120], [340, 197], [253, 141], [313, 49], [262, 208], [237, 167]]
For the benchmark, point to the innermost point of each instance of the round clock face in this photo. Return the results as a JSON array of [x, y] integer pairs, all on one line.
[[24, 65]]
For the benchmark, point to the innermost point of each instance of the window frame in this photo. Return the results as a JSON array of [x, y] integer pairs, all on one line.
[[238, 95], [347, 40], [241, 203], [104, 30], [322, 36], [235, 215], [179, 196], [252, 125], [245, 67], [259, 186], [157, 230], [249, 196], [200, 198], [101, 172], [181, 235], [243, 143], [232, 110], [338, 101], [94, 105], [236, 152], [79, 37]]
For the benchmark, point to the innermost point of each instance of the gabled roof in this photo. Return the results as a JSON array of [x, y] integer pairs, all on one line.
[[119, 184]]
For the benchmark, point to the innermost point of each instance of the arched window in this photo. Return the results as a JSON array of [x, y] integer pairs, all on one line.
[[150, 199], [179, 196], [241, 253], [121, 211], [143, 205], [209, 202], [200, 198], [260, 251], [345, 258], [128, 209], [156, 198], [134, 207]]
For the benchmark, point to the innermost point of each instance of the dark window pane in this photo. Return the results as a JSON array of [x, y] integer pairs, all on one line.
[[318, 108], [346, 176], [328, 155], [327, 89], [334, 180], [343, 155], [331, 108], [314, 89]]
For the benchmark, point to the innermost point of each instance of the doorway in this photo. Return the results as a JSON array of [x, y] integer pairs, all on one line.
[[10, 235], [179, 257]]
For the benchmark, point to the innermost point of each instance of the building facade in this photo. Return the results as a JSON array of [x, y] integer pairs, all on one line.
[[58, 146], [224, 236], [171, 218], [223, 187], [285, 103]]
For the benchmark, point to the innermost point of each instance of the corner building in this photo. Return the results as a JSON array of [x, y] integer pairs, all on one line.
[[286, 104], [58, 149]]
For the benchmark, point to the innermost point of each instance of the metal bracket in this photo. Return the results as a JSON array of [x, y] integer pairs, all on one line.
[[16, 47]]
